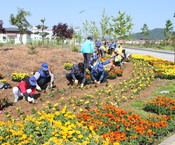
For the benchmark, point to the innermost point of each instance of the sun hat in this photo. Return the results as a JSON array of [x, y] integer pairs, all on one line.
[[100, 67], [32, 81], [45, 66]]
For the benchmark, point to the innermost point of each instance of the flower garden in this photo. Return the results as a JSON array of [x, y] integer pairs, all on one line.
[[96, 118]]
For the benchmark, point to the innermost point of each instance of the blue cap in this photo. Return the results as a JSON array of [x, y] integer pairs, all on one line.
[[45, 66], [90, 37], [100, 67], [32, 81]]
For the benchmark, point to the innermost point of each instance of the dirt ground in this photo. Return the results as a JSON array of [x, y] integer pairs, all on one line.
[[17, 59]]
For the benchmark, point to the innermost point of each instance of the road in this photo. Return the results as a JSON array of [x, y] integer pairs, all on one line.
[[163, 54]]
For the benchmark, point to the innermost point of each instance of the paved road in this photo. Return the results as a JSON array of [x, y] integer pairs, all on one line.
[[167, 55]]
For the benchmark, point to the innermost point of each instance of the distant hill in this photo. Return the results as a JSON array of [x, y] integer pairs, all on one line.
[[155, 34]]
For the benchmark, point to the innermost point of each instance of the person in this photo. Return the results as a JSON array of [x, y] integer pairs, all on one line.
[[43, 77], [112, 47], [126, 55], [26, 89], [98, 74], [87, 49], [77, 74], [113, 61], [98, 45], [94, 60]]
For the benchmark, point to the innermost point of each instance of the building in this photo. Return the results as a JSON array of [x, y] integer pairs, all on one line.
[[13, 36]]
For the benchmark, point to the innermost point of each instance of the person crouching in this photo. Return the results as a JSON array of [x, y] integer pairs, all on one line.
[[26, 89]]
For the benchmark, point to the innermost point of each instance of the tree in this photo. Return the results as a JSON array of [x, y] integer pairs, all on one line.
[[62, 31], [94, 30], [86, 25], [41, 29], [2, 30], [168, 29], [20, 21], [121, 25], [145, 30], [104, 23]]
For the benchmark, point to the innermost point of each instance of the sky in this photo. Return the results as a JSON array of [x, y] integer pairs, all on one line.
[[154, 13]]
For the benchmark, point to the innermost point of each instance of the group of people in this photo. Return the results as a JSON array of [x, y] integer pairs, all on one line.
[[44, 78], [28, 87], [98, 69]]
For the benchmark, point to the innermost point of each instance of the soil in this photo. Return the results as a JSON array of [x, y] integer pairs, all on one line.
[[17, 59]]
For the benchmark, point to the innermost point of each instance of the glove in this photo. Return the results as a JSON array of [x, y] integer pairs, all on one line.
[[95, 81], [29, 91], [51, 85], [38, 88], [29, 99], [76, 81], [82, 85], [98, 82]]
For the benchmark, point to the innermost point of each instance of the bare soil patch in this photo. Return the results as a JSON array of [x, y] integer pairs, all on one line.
[[17, 59]]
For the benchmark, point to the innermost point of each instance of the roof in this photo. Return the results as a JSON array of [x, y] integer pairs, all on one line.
[[15, 30]]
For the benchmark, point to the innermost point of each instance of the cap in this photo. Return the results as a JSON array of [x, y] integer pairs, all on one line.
[[100, 67], [32, 81], [45, 66], [90, 37]]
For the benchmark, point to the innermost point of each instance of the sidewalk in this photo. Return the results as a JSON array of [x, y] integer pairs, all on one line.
[[169, 141]]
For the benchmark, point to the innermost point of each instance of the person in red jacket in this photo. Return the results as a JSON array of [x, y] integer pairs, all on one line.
[[26, 89]]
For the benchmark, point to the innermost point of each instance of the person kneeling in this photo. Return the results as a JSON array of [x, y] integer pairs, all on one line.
[[43, 77], [77, 74], [98, 74], [26, 89]]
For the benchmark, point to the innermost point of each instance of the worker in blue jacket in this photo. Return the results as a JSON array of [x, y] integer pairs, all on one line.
[[98, 74]]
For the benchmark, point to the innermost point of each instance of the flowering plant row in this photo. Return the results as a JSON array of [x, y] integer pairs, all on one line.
[[162, 68], [49, 127], [161, 105], [18, 76], [123, 126]]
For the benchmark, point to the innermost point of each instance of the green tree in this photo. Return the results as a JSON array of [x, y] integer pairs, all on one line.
[[121, 25], [145, 30], [104, 23], [93, 30], [86, 28], [168, 29], [20, 21], [41, 29]]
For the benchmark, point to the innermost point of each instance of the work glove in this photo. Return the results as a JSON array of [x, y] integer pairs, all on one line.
[[30, 99], [82, 85], [38, 88], [76, 81], [98, 82], [95, 81]]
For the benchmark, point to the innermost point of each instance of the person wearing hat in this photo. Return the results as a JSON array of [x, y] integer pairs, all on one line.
[[77, 74], [98, 74], [87, 49], [94, 60], [43, 77], [26, 89]]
